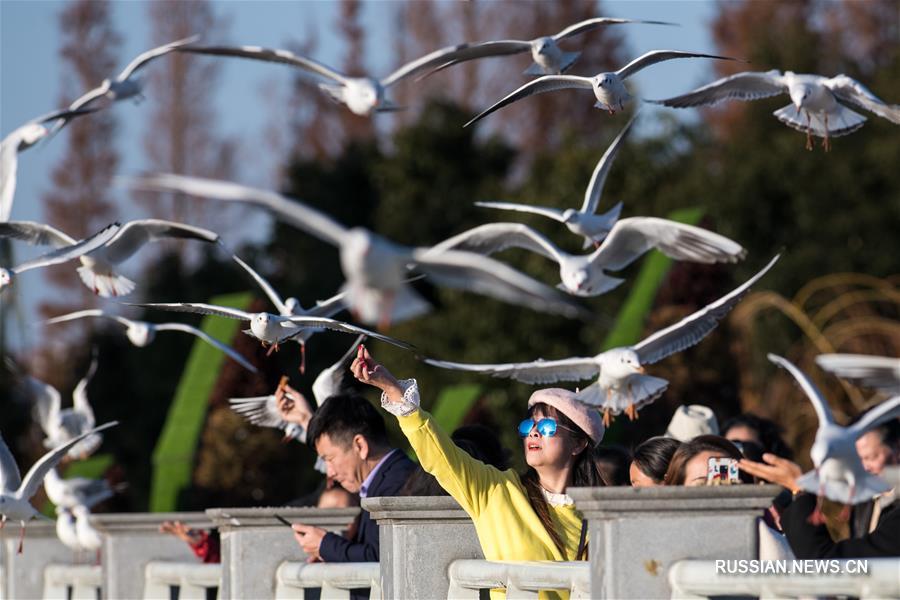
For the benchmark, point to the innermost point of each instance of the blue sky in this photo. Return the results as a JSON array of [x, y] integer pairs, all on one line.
[[30, 75]]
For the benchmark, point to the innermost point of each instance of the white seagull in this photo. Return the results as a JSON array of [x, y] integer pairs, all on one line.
[[61, 425], [839, 473], [549, 58], [586, 274], [819, 105], [16, 493], [273, 330], [621, 384], [377, 269], [584, 221], [290, 307], [68, 493], [362, 95], [125, 85], [88, 537], [142, 333], [65, 529], [17, 141], [879, 372], [609, 88], [97, 269], [64, 253]]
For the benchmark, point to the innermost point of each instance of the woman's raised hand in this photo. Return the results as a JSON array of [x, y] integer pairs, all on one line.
[[366, 370]]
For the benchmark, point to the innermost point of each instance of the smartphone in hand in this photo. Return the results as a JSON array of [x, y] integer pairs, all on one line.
[[722, 471]]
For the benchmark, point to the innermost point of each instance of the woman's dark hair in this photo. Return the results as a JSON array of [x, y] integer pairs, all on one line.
[[478, 441], [343, 417], [584, 472], [675, 474], [768, 432], [652, 457], [613, 462]]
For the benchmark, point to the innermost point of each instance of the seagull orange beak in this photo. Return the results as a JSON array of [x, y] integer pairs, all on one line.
[[640, 370]]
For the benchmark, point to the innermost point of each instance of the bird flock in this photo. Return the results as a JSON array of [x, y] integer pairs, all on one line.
[[378, 272]]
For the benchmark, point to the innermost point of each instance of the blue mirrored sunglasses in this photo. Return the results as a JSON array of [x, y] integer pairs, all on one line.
[[546, 427]]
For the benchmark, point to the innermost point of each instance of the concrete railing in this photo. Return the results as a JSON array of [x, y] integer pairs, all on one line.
[[24, 573], [255, 543], [518, 579], [185, 581], [695, 579], [637, 534], [72, 582], [335, 579], [132, 540], [419, 538]]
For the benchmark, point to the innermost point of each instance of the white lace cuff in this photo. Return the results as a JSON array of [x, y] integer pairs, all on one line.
[[410, 403]]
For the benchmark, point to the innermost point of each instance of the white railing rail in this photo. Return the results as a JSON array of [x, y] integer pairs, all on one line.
[[519, 579], [72, 582], [194, 581], [694, 579], [335, 579]]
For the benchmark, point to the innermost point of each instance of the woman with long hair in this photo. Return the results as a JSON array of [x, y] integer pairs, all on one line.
[[527, 517]]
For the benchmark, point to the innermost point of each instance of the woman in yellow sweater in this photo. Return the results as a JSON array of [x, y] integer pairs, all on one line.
[[528, 517]]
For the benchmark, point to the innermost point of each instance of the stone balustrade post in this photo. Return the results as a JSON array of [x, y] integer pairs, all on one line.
[[419, 538], [131, 540], [255, 543], [24, 573], [636, 534]]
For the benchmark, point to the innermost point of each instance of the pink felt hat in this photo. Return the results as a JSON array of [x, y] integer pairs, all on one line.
[[585, 417]]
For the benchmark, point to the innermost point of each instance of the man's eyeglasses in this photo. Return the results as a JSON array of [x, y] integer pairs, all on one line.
[[546, 427]]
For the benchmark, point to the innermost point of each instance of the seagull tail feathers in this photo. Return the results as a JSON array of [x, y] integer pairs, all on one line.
[[840, 122], [106, 285]]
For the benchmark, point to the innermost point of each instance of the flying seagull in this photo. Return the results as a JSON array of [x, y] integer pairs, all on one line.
[[142, 333], [16, 493], [621, 384], [629, 239], [879, 372], [609, 88], [68, 493], [549, 58], [584, 221], [819, 105], [97, 269], [377, 270], [839, 473]]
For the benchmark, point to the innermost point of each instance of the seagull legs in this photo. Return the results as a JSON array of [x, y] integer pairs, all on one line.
[[809, 144], [385, 322], [21, 538], [817, 517], [302, 357], [272, 348], [630, 411], [606, 418], [826, 141], [845, 512]]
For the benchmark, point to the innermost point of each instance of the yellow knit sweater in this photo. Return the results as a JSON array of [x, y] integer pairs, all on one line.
[[507, 526]]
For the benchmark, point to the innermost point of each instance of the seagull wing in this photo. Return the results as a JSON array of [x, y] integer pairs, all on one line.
[[693, 328], [198, 308], [495, 237], [10, 479], [330, 381], [47, 402], [467, 52], [823, 411], [453, 55], [631, 238], [537, 372], [294, 212], [269, 55], [265, 286], [598, 178], [75, 250], [35, 475], [260, 410], [145, 57], [740, 86], [658, 56], [482, 275], [85, 99], [235, 356], [80, 314], [328, 307], [135, 234], [853, 92], [879, 372], [887, 410], [79, 397], [544, 211], [589, 24], [334, 325], [36, 234], [547, 83]]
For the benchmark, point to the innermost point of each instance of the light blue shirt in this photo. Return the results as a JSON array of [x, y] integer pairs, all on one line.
[[364, 488]]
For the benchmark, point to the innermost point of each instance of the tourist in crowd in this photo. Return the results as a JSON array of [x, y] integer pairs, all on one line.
[[689, 464], [350, 436], [748, 427], [689, 421], [204, 544], [651, 461], [877, 448], [528, 517], [613, 462]]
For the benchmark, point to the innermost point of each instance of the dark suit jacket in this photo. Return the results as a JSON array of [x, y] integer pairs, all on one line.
[[813, 541], [364, 546]]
